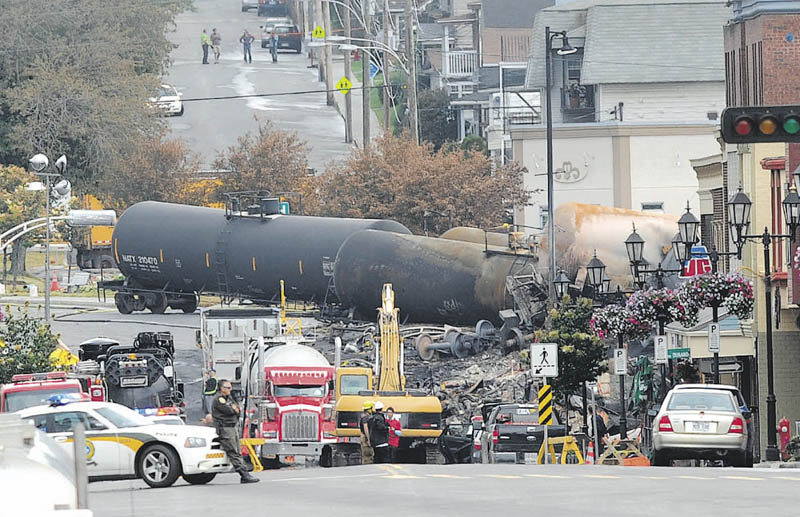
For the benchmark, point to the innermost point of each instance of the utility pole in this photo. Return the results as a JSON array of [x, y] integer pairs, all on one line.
[[348, 72], [387, 75], [412, 68], [316, 20], [326, 14], [365, 62]]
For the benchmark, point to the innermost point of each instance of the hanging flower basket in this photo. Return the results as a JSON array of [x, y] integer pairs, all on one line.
[[665, 304], [729, 290], [616, 320]]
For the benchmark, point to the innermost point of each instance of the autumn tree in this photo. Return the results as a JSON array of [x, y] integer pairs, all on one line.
[[398, 179], [157, 169], [270, 160]]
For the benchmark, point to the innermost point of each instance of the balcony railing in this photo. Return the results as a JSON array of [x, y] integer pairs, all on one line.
[[460, 63]]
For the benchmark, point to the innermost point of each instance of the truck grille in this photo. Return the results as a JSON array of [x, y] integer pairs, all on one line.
[[300, 426]]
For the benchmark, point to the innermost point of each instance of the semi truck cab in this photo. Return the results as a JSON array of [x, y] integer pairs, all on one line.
[[34, 389]]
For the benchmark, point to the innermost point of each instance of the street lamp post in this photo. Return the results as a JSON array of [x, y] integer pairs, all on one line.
[[565, 49], [39, 163], [739, 210]]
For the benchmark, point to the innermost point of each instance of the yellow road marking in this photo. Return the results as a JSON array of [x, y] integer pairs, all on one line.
[[400, 476], [745, 478], [599, 476], [653, 477], [790, 478], [692, 477], [447, 476], [549, 476], [501, 476]]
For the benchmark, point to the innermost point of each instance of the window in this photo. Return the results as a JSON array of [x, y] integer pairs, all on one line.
[[299, 391], [653, 206], [122, 417], [698, 401], [65, 422], [17, 400], [352, 384]]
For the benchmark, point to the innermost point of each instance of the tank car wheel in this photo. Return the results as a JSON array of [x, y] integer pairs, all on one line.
[[424, 346], [160, 304], [190, 304], [516, 335], [459, 346], [124, 303], [485, 329]]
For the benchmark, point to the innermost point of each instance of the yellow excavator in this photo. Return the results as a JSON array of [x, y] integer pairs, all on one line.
[[420, 414]]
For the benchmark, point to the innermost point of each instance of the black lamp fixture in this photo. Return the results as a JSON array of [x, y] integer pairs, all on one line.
[[561, 284], [634, 245], [791, 210], [739, 206], [596, 270], [688, 225]]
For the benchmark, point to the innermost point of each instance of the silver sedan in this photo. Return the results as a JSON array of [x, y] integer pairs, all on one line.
[[700, 424]]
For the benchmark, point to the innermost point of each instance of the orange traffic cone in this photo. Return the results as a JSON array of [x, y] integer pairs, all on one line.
[[54, 284], [590, 454]]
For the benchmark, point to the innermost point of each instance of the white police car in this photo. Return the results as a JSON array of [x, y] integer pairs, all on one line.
[[122, 444]]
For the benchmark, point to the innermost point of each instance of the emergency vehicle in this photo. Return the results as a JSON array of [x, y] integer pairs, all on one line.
[[32, 389], [122, 444]]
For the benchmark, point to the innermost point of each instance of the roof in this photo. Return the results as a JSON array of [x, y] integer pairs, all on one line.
[[637, 41], [511, 14]]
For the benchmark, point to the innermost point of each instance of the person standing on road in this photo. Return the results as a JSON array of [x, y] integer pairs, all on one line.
[[599, 423], [209, 390], [216, 39], [225, 412], [395, 432], [205, 42], [247, 41], [379, 434], [363, 426], [273, 46]]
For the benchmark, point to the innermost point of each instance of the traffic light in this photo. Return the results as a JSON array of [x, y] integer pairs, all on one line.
[[756, 124]]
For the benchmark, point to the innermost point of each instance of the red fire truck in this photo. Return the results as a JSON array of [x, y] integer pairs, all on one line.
[[33, 389], [289, 396]]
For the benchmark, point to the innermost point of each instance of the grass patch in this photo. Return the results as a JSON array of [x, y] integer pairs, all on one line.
[[375, 94]]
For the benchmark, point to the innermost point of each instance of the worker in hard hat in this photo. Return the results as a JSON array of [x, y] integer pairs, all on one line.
[[363, 426], [379, 434]]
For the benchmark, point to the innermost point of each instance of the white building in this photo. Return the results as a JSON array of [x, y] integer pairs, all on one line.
[[639, 99]]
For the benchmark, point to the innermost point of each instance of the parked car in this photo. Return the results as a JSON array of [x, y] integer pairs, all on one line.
[[269, 25], [289, 36], [512, 432], [737, 395], [168, 100], [456, 443], [249, 4], [272, 8], [477, 433], [122, 444], [700, 423]]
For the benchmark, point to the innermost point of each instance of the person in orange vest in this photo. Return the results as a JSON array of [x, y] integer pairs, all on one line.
[[395, 432]]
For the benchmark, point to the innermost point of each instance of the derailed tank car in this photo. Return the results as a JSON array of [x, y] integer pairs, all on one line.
[[170, 253]]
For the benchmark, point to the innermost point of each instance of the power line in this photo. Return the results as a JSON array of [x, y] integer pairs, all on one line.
[[283, 94]]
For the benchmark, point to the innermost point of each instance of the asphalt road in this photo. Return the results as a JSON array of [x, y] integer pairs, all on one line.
[[211, 126], [465, 490]]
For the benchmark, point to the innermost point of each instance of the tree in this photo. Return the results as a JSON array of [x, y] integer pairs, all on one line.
[[270, 160], [581, 355], [437, 120], [158, 169], [25, 345], [77, 82], [398, 179]]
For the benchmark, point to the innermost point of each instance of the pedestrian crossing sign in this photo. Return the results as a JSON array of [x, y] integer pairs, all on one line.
[[544, 360], [344, 85], [318, 32]]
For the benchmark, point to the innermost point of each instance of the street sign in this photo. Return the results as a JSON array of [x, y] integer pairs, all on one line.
[[661, 349], [679, 353], [544, 359], [373, 70], [546, 405], [344, 85], [620, 361], [285, 207], [713, 337], [318, 32]]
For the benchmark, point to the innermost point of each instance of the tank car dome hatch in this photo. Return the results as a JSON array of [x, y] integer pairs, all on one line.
[[294, 355]]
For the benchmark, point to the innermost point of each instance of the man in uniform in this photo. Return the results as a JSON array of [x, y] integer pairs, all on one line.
[[210, 390], [363, 426], [225, 412]]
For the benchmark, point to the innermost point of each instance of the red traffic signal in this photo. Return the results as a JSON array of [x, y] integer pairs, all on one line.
[[761, 124]]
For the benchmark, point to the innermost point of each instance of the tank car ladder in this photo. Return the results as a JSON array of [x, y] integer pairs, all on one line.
[[220, 264], [526, 291]]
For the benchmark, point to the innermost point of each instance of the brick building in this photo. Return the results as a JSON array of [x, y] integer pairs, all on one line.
[[762, 67]]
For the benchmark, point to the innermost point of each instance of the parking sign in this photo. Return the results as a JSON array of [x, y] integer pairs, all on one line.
[[660, 343], [713, 337]]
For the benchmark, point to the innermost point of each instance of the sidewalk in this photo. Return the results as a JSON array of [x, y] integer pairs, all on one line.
[[356, 92]]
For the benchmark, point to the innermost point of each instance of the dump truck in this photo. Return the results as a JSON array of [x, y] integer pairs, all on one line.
[[420, 413]]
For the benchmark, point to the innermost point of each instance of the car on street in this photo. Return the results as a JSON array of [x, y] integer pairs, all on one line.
[[456, 443], [289, 37], [700, 423], [122, 444], [269, 25], [737, 395], [512, 433], [272, 8], [249, 4], [168, 100]]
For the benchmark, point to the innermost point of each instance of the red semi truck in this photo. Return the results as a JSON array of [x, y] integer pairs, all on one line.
[[34, 389], [290, 402]]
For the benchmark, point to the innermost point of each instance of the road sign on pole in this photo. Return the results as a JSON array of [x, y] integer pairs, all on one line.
[[620, 361], [679, 353], [546, 405], [544, 360], [713, 337], [661, 349]]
